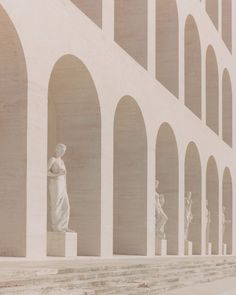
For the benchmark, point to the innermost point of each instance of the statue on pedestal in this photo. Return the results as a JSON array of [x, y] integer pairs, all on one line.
[[224, 222], [59, 201], [161, 217], [188, 214], [208, 222]]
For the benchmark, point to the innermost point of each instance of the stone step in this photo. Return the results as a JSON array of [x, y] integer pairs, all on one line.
[[9, 274], [101, 276], [132, 280], [117, 278]]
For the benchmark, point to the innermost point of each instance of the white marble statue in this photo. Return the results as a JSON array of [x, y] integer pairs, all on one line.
[[224, 222], [188, 217], [161, 217], [208, 222], [59, 201]]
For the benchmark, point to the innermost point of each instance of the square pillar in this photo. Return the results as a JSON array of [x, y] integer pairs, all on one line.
[[108, 18], [37, 172], [107, 184], [181, 245], [152, 38]]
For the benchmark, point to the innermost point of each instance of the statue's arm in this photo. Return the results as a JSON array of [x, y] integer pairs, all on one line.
[[50, 163]]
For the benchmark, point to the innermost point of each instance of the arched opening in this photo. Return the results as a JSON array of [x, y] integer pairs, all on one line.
[[212, 197], [227, 23], [227, 109], [130, 179], [13, 139], [93, 9], [193, 77], [74, 119], [212, 91], [131, 28], [227, 230], [193, 184], [167, 45], [213, 10], [167, 172]]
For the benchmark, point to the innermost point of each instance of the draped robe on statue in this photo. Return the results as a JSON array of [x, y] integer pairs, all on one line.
[[59, 201]]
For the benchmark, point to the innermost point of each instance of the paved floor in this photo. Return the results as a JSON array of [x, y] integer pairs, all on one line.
[[221, 287]]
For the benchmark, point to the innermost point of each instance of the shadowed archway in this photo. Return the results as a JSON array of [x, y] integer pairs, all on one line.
[[228, 204], [212, 91], [212, 196], [13, 140], [193, 75], [167, 172], [130, 179], [167, 45], [227, 109], [193, 184], [74, 119]]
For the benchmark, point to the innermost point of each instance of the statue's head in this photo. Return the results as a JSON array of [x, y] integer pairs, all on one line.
[[189, 195], [157, 183], [60, 150]]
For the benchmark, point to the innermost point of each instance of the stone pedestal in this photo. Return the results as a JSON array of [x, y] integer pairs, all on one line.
[[188, 248], [161, 247], [62, 244], [209, 249], [224, 249]]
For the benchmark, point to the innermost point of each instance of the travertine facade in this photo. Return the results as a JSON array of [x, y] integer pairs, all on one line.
[[138, 90]]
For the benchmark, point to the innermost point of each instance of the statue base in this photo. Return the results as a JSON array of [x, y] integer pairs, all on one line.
[[62, 244], [161, 247], [188, 248], [224, 249], [209, 249]]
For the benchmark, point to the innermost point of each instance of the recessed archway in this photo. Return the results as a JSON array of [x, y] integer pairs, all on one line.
[[131, 26], [227, 23], [212, 91], [227, 109], [167, 45], [212, 196], [13, 139], [167, 172], [228, 204], [130, 179], [74, 119], [193, 184], [193, 84], [213, 11]]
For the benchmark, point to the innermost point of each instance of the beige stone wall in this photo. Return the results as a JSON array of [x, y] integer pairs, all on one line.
[[49, 30]]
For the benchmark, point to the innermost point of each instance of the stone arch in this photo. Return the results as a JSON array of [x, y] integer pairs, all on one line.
[[13, 139], [130, 179], [212, 91], [93, 9], [212, 196], [167, 172], [131, 28], [227, 109], [167, 45], [227, 23], [193, 184], [213, 11], [193, 76], [228, 204], [74, 119]]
